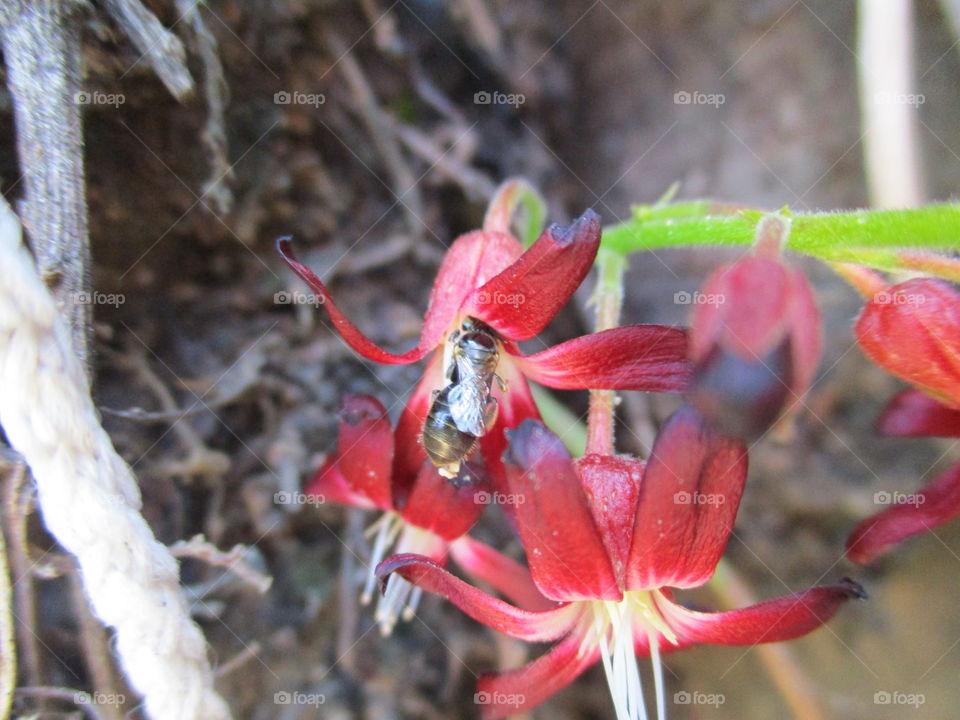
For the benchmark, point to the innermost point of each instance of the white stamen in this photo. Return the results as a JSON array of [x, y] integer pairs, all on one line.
[[654, 640], [387, 528]]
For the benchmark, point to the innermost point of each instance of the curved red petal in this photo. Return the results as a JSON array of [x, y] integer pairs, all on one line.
[[505, 574], [503, 617], [612, 486], [520, 301], [365, 448], [446, 507], [567, 557], [329, 485], [430, 336], [516, 691], [912, 413], [937, 503], [634, 357], [912, 331], [470, 262], [784, 618], [688, 503]]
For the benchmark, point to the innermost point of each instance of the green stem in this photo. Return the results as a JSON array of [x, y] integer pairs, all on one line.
[[874, 238], [608, 299]]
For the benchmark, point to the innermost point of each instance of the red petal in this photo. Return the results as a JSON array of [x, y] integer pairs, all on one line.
[[365, 448], [912, 413], [516, 691], [806, 337], [329, 484], [784, 618], [520, 301], [743, 306], [409, 454], [516, 405], [912, 331], [612, 485], [506, 575], [494, 613], [446, 507], [936, 504], [565, 552], [635, 357], [688, 503], [430, 336]]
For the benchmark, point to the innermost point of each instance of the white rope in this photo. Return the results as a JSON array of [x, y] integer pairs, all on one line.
[[89, 499]]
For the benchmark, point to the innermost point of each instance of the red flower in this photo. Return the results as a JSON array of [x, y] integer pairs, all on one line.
[[606, 538], [754, 343], [432, 521], [911, 414], [487, 276], [912, 330]]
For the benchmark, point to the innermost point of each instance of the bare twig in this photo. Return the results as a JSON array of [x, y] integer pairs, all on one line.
[[68, 695], [215, 92], [889, 103], [8, 652], [233, 560], [41, 48], [377, 121], [15, 527], [162, 50]]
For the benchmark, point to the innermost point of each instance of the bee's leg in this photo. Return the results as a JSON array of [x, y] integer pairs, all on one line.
[[501, 382], [490, 410]]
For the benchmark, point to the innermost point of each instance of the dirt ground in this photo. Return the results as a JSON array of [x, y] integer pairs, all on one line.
[[374, 181]]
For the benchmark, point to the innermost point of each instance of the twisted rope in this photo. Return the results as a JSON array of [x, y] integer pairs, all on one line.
[[89, 498]]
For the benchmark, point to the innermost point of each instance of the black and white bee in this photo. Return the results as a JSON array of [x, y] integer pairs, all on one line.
[[464, 410]]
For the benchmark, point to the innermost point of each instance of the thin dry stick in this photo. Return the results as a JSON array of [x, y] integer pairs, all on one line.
[[8, 652], [15, 526], [233, 560], [403, 181], [777, 658], [41, 48], [889, 103]]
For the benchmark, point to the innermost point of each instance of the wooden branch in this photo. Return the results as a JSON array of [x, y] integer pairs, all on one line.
[[41, 48]]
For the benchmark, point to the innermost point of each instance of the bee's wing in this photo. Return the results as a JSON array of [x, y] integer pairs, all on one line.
[[468, 407]]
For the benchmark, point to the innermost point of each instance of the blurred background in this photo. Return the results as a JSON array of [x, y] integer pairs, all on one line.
[[375, 132]]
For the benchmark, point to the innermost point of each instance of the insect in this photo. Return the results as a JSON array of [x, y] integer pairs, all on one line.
[[464, 410]]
